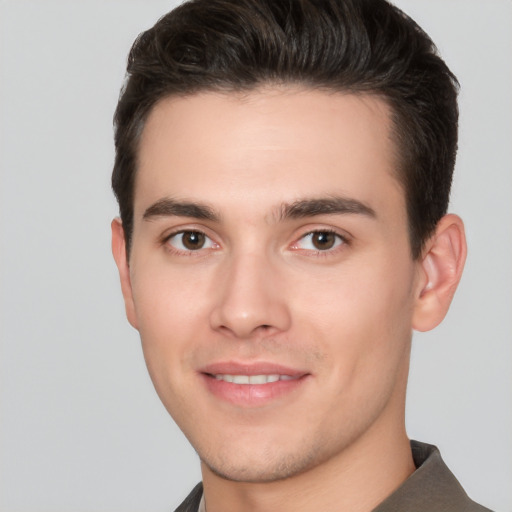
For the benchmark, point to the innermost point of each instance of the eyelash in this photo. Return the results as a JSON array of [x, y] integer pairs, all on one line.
[[190, 252], [340, 243]]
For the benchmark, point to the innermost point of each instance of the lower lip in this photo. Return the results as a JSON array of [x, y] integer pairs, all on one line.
[[251, 395]]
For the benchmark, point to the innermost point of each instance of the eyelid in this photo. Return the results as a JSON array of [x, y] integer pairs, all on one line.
[[165, 241], [343, 240], [183, 227]]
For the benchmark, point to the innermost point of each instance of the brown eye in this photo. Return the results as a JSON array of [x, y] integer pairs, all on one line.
[[319, 241], [186, 241], [323, 240], [193, 240]]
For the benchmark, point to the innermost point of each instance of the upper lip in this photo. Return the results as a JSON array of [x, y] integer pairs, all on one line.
[[252, 368]]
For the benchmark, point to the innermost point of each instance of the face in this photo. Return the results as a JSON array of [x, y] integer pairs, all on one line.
[[271, 277]]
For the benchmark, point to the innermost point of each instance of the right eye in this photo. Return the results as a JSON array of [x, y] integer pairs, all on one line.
[[190, 240]]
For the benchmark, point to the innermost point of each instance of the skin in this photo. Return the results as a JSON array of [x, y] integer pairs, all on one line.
[[259, 291]]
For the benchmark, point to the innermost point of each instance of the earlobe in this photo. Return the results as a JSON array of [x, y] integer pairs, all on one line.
[[120, 257], [441, 269]]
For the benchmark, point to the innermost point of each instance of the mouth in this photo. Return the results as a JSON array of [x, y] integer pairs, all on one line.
[[252, 385], [253, 379]]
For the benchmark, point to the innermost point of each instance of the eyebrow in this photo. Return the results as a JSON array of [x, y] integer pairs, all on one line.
[[168, 207], [299, 209], [324, 206]]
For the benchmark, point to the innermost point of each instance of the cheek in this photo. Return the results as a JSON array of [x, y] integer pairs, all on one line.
[[166, 297], [169, 310], [367, 339], [363, 315]]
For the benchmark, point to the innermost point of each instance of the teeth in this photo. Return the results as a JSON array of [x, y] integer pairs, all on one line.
[[252, 379]]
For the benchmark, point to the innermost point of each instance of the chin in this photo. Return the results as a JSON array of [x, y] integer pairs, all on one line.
[[262, 468]]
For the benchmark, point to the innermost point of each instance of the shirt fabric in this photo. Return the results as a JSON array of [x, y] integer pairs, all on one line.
[[431, 488]]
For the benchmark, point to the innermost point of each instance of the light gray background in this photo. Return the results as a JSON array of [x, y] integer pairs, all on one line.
[[81, 428]]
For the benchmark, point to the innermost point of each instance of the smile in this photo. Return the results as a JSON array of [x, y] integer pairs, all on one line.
[[254, 383], [252, 379]]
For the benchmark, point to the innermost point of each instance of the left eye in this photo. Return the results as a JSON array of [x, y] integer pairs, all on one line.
[[319, 241], [190, 241]]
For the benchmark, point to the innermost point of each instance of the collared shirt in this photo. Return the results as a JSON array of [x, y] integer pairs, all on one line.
[[431, 488], [202, 506]]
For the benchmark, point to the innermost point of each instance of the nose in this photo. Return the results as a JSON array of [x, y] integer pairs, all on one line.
[[251, 299]]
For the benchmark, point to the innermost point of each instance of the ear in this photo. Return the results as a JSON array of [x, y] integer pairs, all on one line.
[[120, 256], [440, 272]]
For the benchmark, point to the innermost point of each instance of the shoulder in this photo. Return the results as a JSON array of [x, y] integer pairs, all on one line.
[[431, 488]]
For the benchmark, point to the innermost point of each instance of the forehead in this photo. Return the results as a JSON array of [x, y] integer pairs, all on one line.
[[282, 143]]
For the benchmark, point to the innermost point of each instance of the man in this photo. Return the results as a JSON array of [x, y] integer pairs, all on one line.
[[283, 173]]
